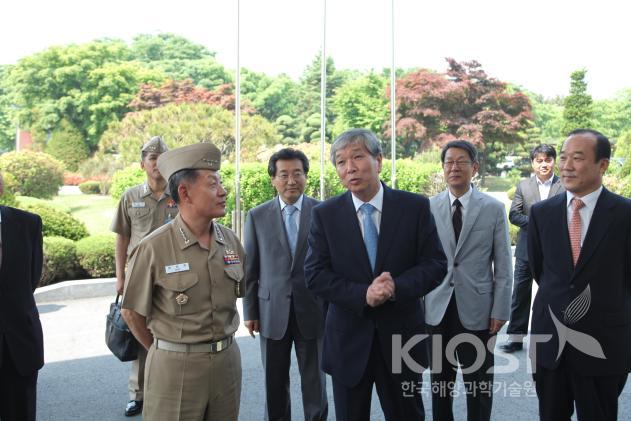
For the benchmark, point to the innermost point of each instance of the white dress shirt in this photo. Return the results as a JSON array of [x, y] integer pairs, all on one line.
[[296, 215], [544, 187], [586, 211], [377, 202], [464, 201]]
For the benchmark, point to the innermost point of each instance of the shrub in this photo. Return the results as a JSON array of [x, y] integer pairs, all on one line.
[[73, 179], [8, 198], [37, 174], [126, 178], [58, 223], [96, 255], [90, 187], [60, 260], [511, 192], [513, 232], [67, 145]]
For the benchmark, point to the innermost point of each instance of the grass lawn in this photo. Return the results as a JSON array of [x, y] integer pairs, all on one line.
[[94, 210]]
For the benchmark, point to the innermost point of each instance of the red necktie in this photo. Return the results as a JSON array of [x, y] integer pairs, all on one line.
[[575, 228]]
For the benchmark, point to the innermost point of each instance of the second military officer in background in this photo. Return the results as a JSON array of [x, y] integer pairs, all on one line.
[[180, 297], [141, 210]]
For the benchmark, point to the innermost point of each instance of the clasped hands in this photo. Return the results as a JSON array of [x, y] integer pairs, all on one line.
[[380, 290]]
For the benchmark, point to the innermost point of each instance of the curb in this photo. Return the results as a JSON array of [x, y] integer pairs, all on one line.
[[71, 290]]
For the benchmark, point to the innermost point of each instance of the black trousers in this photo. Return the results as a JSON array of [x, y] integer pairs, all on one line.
[[276, 356], [520, 303], [559, 390], [478, 384], [353, 403], [17, 392]]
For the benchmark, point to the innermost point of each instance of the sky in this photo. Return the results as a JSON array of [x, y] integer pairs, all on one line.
[[534, 44]]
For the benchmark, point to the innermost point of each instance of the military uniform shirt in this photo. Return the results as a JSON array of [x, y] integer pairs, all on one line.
[[186, 292], [139, 213]]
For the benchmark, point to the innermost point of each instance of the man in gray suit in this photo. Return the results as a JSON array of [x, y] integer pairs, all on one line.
[[277, 303], [540, 186], [472, 303]]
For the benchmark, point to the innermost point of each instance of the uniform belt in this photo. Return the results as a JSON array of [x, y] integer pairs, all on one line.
[[212, 347]]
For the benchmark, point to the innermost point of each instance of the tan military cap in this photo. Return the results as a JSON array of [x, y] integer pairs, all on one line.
[[200, 156], [155, 145]]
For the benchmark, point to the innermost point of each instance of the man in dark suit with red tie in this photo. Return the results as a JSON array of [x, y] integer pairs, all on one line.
[[374, 252], [579, 248], [21, 342]]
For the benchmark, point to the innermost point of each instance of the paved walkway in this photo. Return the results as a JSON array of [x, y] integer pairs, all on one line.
[[83, 381]]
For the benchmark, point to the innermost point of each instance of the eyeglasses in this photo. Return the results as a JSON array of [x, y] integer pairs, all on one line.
[[295, 176], [459, 164]]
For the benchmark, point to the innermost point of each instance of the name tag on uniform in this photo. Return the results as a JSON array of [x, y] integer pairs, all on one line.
[[137, 204], [180, 267]]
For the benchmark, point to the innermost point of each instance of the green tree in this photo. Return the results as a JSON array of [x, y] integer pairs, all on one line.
[[361, 103], [204, 72], [612, 116], [577, 111], [184, 124], [7, 124], [280, 97], [90, 85], [67, 145], [148, 48]]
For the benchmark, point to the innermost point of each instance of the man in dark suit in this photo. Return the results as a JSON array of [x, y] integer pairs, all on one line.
[[540, 186], [277, 302], [579, 248], [21, 342], [373, 254]]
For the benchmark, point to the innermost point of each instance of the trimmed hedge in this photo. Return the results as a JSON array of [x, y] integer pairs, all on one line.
[[58, 223], [90, 187], [96, 255], [60, 260], [37, 174]]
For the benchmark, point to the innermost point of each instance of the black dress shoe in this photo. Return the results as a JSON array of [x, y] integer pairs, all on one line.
[[510, 347], [133, 408]]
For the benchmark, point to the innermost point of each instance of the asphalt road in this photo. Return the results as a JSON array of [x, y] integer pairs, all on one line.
[[81, 380]]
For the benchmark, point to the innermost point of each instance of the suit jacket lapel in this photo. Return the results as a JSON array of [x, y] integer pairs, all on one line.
[[534, 189], [598, 226], [471, 215], [444, 222], [389, 221], [556, 186], [303, 229], [561, 231]]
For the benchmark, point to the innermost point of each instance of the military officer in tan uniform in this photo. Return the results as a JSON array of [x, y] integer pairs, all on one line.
[[141, 210], [180, 296]]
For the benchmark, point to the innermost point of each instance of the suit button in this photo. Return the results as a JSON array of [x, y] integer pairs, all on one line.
[[455, 264], [451, 284], [571, 286]]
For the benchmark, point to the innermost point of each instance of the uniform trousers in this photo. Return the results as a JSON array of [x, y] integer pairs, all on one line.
[[595, 397], [478, 384], [192, 386], [17, 392], [137, 375]]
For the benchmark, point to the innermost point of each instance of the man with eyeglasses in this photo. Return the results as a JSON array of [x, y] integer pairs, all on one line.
[[473, 301], [277, 303]]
